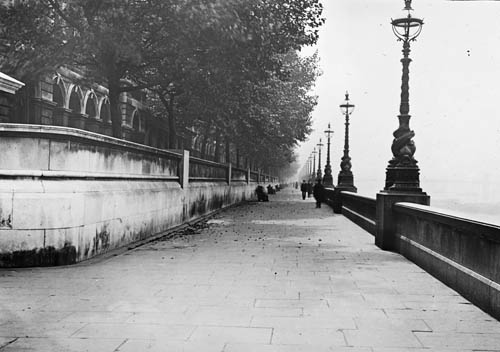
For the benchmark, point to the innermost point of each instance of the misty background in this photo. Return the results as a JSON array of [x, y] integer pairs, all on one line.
[[454, 95]]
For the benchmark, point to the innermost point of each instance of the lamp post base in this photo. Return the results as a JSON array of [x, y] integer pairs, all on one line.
[[328, 180], [402, 179], [346, 182]]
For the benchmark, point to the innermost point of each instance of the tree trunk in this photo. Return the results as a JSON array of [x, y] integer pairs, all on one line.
[[217, 148], [21, 105], [203, 151], [172, 130], [114, 107], [228, 152]]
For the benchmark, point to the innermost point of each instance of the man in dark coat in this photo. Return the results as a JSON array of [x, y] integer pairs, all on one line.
[[303, 189], [261, 194], [319, 193]]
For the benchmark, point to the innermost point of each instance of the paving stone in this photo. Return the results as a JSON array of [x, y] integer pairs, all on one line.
[[96, 317], [487, 326], [156, 318], [134, 331], [39, 329], [475, 341], [374, 337], [238, 347], [367, 323], [141, 306], [134, 345], [225, 334], [330, 322], [63, 345], [31, 317], [308, 336], [220, 315], [279, 276], [399, 349], [278, 312], [436, 313], [290, 303]]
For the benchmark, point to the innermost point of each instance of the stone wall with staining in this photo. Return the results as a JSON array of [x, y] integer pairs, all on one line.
[[67, 195]]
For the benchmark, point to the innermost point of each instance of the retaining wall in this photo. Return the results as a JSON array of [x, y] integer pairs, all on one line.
[[67, 195]]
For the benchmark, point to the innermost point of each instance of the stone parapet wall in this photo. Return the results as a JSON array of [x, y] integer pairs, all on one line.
[[360, 210], [463, 253], [200, 169], [54, 149], [68, 195], [239, 174]]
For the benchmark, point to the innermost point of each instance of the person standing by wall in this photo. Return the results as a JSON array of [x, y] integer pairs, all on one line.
[[319, 193], [303, 189], [309, 189]]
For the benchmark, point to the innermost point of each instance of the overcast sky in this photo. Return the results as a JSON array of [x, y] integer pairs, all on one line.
[[454, 87]]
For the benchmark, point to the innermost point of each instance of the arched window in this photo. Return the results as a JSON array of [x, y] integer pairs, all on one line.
[[105, 112], [136, 124], [74, 102], [90, 109]]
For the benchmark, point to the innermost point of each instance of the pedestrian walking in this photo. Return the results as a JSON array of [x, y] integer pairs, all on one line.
[[319, 193], [303, 189]]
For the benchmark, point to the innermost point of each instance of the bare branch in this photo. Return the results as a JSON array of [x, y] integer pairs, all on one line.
[[54, 5]]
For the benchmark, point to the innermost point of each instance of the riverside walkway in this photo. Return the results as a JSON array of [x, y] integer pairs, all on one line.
[[277, 276]]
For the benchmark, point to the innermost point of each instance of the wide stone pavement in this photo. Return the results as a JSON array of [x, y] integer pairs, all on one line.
[[276, 276]]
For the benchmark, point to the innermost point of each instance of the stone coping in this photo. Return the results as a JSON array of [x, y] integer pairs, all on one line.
[[206, 162], [355, 195], [83, 175], [9, 84], [69, 133], [450, 217]]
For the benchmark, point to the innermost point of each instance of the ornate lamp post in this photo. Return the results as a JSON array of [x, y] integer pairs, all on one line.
[[346, 179], [318, 175], [327, 178], [402, 182], [402, 174], [314, 163]]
